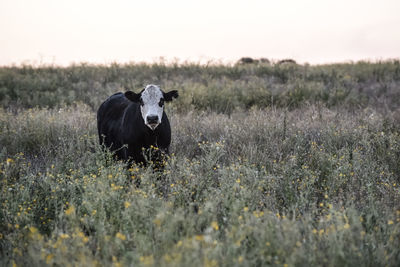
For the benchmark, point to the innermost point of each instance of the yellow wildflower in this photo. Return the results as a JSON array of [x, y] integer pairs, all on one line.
[[147, 260], [49, 258], [258, 214], [120, 236], [70, 210], [64, 236], [199, 237], [157, 221], [85, 239], [214, 225]]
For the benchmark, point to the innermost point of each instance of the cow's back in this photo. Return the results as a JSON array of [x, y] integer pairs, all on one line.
[[109, 118]]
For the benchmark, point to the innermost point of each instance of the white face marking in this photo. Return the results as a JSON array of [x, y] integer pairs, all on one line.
[[150, 106]]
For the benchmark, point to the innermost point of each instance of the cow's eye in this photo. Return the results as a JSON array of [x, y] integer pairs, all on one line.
[[141, 102], [161, 103]]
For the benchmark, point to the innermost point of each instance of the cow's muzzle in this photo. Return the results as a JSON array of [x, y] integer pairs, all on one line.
[[152, 121]]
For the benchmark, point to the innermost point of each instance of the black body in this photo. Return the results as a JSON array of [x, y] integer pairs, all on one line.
[[122, 129]]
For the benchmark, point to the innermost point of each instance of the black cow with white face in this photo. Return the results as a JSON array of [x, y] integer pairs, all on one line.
[[130, 123]]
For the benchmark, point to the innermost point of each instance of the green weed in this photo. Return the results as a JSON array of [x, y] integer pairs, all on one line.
[[291, 179]]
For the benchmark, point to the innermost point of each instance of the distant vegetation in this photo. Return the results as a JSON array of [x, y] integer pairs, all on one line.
[[272, 164], [213, 88]]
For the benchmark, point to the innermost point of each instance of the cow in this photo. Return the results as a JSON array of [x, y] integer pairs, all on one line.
[[247, 60], [287, 61], [130, 123]]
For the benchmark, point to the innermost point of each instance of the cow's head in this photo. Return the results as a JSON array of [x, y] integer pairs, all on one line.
[[151, 100]]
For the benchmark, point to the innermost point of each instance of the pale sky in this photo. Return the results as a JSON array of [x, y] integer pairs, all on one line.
[[62, 32]]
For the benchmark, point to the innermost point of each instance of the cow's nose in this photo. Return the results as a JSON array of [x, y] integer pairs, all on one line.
[[152, 119]]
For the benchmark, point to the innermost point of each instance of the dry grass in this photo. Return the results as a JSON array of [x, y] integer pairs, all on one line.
[[311, 186], [283, 165]]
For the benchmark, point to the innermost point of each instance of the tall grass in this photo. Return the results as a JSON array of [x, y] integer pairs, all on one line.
[[236, 191], [304, 184], [216, 87]]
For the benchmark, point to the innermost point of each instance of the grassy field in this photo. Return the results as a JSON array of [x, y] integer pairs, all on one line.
[[282, 165]]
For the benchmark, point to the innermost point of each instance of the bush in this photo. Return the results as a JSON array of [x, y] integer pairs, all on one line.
[[213, 87], [308, 186]]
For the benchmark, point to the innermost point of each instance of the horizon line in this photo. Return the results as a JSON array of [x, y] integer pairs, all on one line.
[[199, 61]]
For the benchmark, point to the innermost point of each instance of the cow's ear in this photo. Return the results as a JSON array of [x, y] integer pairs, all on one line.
[[171, 94], [132, 96]]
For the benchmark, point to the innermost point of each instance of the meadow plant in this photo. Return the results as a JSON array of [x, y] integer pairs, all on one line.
[[306, 183]]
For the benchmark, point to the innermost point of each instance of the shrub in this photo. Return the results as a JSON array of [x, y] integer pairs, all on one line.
[[308, 186]]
